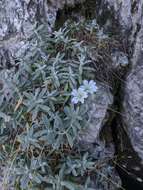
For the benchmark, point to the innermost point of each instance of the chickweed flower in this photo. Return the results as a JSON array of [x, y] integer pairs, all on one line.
[[89, 86], [79, 95]]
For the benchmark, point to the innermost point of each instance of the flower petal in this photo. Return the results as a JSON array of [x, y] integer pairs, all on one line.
[[82, 100], [74, 100], [85, 82], [74, 92]]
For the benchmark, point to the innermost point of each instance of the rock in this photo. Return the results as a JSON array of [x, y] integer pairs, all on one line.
[[18, 19], [130, 16], [102, 151], [133, 106], [98, 106], [122, 9]]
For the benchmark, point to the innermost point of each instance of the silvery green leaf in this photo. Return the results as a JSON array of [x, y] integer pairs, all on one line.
[[5, 117], [44, 108], [70, 139], [24, 181], [69, 185], [58, 142], [37, 178]]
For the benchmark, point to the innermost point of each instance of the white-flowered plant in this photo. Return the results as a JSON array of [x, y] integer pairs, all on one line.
[[80, 94], [89, 86], [34, 100]]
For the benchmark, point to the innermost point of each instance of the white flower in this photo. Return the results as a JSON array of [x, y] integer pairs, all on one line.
[[78, 95], [90, 87]]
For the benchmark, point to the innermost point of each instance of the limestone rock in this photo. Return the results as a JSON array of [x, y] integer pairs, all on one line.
[[133, 105], [130, 16], [90, 139], [18, 19], [98, 114]]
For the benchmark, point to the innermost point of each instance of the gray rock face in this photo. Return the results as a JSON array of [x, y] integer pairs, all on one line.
[[128, 12], [18, 19], [123, 11], [133, 101], [98, 106], [130, 15], [90, 139]]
